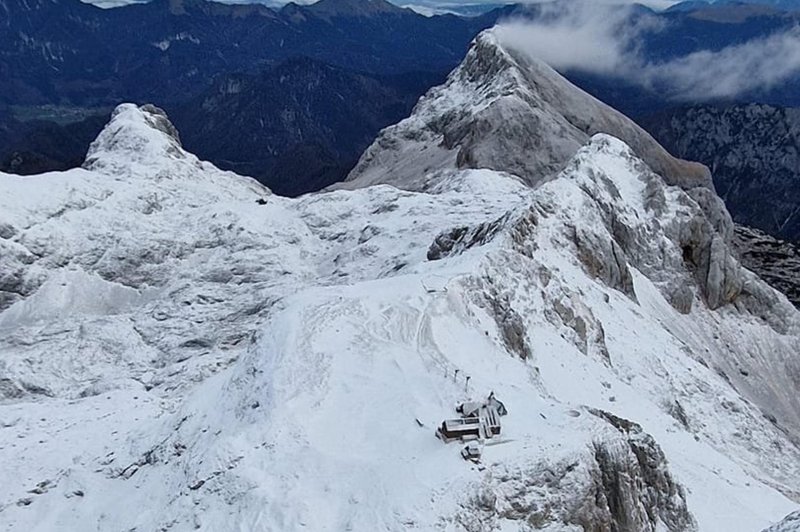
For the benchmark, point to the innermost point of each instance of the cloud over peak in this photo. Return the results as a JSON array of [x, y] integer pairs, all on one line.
[[606, 40]]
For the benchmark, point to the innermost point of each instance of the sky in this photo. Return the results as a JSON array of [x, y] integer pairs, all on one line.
[[598, 39]]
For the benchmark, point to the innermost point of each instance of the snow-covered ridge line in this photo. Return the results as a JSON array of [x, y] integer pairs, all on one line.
[[221, 358], [508, 112]]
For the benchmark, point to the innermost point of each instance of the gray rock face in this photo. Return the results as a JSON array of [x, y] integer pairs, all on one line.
[[157, 117], [459, 239], [620, 484], [681, 297], [606, 260], [707, 255], [775, 261], [505, 111], [790, 524], [640, 493], [714, 209], [754, 153], [499, 305], [16, 280], [702, 232]]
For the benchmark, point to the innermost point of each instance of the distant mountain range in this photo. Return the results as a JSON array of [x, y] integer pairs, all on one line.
[[787, 5], [67, 52], [297, 127], [307, 122], [753, 152], [77, 60]]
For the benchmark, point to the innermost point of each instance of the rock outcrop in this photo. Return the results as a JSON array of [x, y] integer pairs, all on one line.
[[790, 524], [620, 483]]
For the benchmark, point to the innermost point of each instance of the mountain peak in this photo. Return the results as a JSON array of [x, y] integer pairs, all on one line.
[[142, 135], [506, 111]]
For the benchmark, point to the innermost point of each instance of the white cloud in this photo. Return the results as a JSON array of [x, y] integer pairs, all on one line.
[[578, 35], [756, 64], [653, 4], [604, 40]]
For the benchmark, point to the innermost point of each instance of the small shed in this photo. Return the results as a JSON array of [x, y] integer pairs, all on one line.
[[479, 420], [452, 429]]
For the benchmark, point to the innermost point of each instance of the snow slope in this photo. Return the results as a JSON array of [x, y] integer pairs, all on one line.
[[182, 350]]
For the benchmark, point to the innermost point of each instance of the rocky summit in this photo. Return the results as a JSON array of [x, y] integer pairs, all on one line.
[[503, 110]]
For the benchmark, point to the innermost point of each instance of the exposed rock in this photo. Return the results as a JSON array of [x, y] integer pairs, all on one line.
[[589, 333], [508, 112], [460, 239], [510, 324], [657, 494], [754, 151], [707, 255], [7, 230], [9, 389], [681, 297], [714, 209], [604, 259], [157, 117], [791, 523], [17, 279], [622, 484], [676, 410], [775, 261]]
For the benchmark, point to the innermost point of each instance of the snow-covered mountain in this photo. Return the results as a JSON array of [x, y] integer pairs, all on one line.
[[183, 350], [503, 110]]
